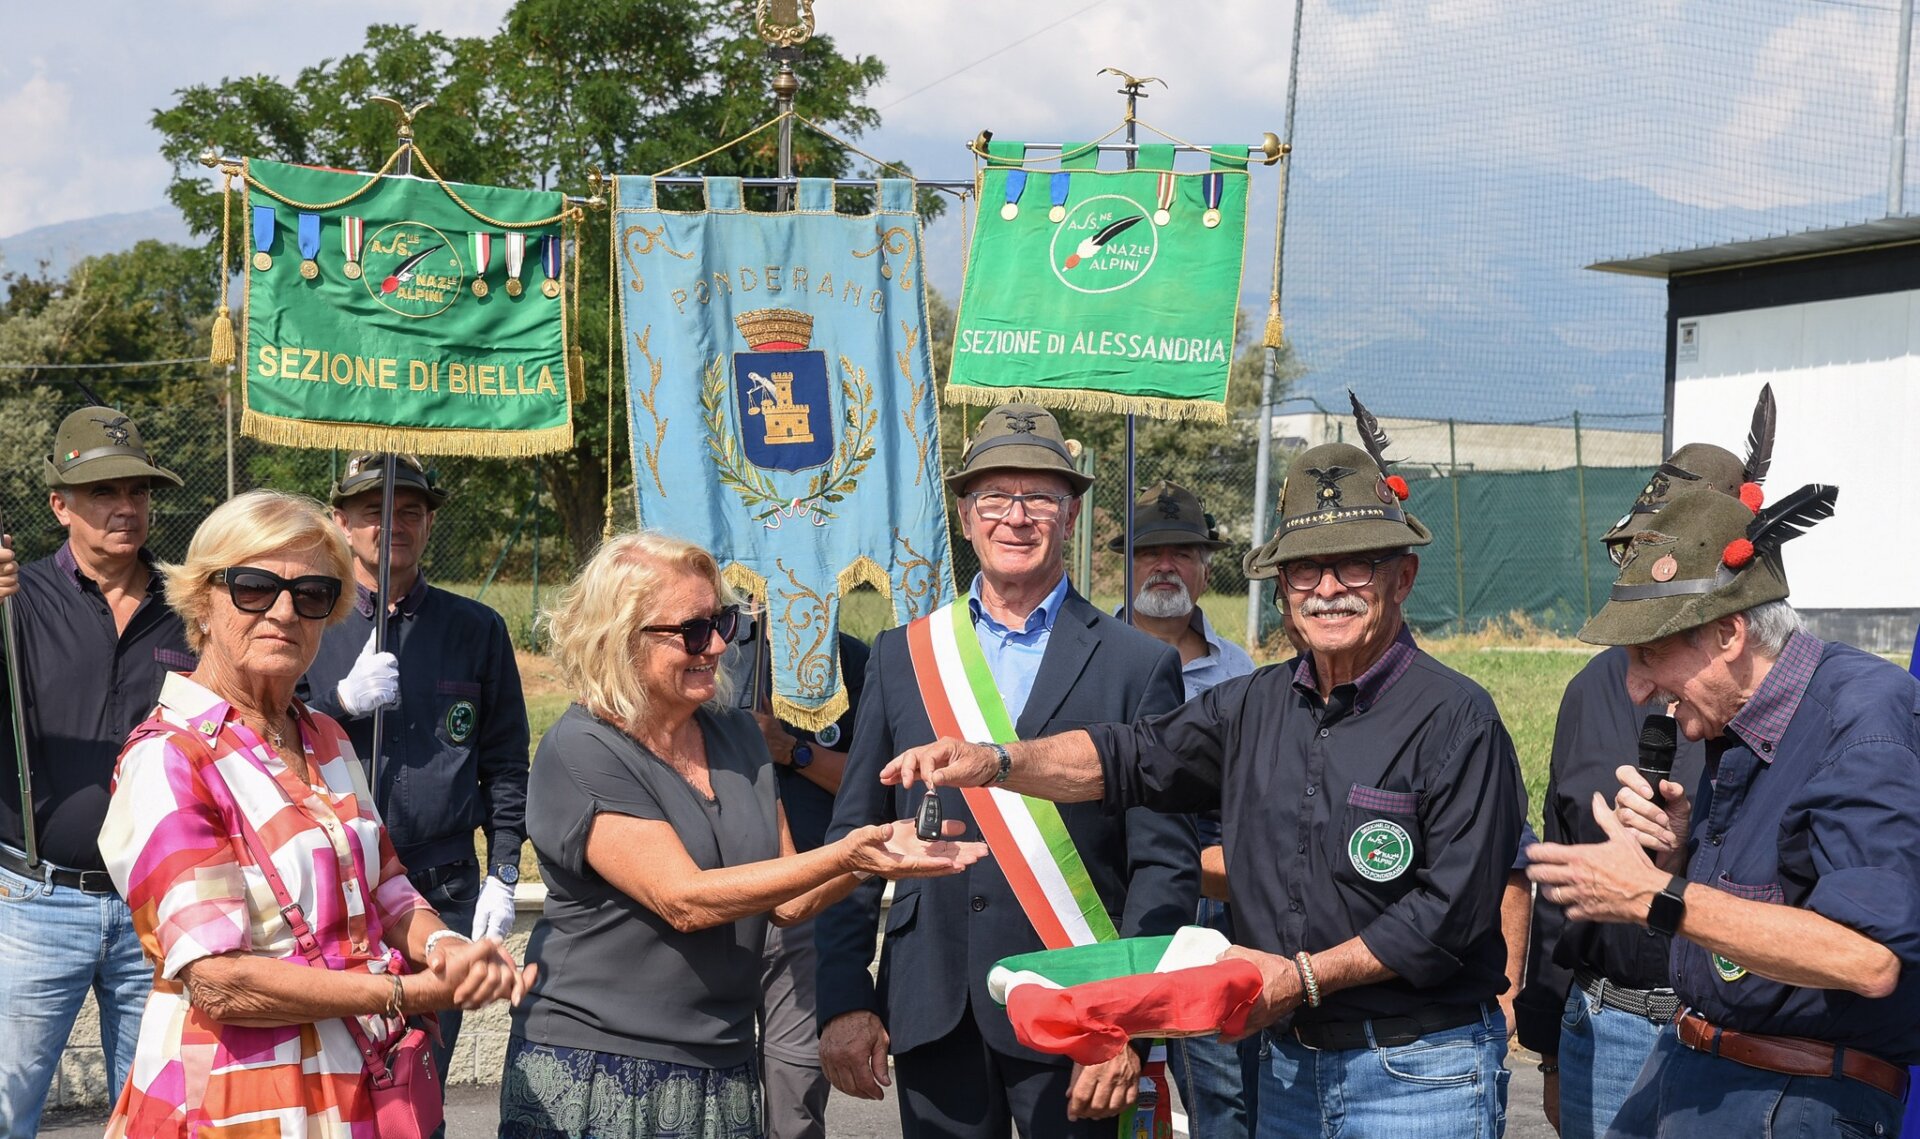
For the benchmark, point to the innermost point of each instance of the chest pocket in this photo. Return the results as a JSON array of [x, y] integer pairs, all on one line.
[[456, 706], [1377, 847]]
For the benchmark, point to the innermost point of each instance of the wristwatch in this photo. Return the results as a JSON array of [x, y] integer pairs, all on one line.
[[507, 872], [1668, 908], [801, 757], [1006, 762]]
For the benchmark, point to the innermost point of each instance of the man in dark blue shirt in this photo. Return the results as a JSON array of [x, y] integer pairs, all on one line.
[[453, 750], [1371, 803], [1792, 880], [96, 638]]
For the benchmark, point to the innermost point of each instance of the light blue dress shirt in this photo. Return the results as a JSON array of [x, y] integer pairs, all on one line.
[[1013, 655]]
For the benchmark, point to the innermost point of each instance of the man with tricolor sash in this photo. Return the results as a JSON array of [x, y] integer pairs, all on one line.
[[1371, 805], [1021, 656]]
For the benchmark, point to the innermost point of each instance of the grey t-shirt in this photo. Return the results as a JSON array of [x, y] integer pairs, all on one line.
[[615, 976]]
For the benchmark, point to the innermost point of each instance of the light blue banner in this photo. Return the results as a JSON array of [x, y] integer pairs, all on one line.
[[780, 397]]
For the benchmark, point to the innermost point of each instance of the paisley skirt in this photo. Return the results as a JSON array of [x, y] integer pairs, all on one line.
[[551, 1092]]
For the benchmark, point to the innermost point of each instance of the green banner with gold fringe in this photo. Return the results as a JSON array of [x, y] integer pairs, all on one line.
[[1103, 290], [402, 314]]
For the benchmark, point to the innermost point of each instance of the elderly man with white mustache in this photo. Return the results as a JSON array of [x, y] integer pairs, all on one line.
[[1372, 805]]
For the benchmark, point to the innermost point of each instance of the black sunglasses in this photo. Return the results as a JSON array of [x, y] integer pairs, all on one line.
[[256, 590], [696, 633]]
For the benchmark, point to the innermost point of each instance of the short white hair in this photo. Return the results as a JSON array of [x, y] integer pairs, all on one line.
[[1770, 624]]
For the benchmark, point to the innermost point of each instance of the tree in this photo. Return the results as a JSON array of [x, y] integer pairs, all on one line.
[[561, 91]]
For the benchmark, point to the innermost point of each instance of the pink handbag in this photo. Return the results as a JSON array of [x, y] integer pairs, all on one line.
[[405, 1088]]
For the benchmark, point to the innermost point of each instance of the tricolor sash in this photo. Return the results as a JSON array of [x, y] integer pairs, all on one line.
[[1028, 837]]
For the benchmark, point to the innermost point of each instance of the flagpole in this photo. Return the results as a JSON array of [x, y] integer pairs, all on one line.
[[1130, 87], [19, 713], [784, 26]]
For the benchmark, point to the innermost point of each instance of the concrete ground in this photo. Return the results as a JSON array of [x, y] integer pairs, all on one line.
[[473, 1112]]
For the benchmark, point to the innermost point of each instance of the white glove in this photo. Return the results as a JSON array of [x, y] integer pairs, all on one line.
[[374, 682], [493, 913]]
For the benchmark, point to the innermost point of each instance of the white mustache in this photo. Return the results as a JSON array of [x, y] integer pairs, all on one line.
[[1345, 603]]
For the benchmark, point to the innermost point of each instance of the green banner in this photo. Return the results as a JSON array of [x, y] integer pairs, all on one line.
[[1104, 290], [399, 314]]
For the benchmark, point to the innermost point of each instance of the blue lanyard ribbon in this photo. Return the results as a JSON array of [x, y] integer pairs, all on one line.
[[309, 235], [262, 228]]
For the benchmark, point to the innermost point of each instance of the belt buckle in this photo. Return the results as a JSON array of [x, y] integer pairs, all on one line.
[[96, 882]]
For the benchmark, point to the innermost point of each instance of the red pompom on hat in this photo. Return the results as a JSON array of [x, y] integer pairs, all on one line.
[[1398, 486], [1752, 496], [1738, 552]]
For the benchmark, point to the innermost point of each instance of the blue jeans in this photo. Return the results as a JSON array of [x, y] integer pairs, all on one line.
[[1219, 1083], [1601, 1053], [1447, 1084], [1683, 1094], [55, 944]]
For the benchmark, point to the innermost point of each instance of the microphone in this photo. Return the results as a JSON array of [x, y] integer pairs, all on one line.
[[1658, 736]]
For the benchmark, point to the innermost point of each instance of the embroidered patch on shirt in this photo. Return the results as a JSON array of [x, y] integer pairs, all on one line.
[[1380, 850]]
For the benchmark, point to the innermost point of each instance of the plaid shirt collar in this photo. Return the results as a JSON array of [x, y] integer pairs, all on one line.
[[409, 603], [1763, 719], [1374, 682]]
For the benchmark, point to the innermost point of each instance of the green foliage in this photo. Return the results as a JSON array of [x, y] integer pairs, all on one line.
[[562, 91]]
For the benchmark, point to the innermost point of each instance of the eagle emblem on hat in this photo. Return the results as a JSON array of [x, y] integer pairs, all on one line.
[[1169, 506], [1021, 422], [116, 430], [1328, 478]]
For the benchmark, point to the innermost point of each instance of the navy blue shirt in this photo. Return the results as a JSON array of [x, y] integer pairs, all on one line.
[[454, 756], [1815, 802], [809, 805], [1597, 731], [1389, 812], [87, 686]]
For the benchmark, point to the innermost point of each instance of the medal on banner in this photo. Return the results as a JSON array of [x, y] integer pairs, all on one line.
[[482, 257], [262, 237], [309, 245], [1057, 190], [1164, 199], [352, 234], [516, 253], [550, 261], [1016, 186], [1212, 186]]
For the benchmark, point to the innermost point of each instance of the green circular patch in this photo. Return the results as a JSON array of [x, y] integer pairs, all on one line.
[[460, 720], [1380, 850], [1728, 971]]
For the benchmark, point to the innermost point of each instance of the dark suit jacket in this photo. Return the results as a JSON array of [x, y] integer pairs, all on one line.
[[944, 934]]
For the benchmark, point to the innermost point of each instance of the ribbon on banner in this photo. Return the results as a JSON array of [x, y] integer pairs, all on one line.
[[789, 353]]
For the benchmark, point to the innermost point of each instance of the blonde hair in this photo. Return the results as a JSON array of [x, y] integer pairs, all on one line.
[[592, 625], [245, 528]]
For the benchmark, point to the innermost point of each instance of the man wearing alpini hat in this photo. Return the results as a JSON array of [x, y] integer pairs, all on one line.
[[1598, 995], [1022, 655], [1790, 877], [1372, 806], [96, 638]]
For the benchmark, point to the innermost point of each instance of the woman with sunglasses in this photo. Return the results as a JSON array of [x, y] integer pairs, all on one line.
[[665, 852], [250, 1025]]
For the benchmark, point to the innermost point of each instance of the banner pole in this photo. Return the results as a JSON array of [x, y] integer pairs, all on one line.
[[18, 709], [1130, 87]]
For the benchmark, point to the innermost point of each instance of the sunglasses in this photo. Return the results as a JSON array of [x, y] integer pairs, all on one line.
[[696, 633], [257, 590]]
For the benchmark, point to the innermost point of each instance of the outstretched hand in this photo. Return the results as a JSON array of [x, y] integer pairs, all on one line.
[[1611, 881], [894, 850], [943, 763]]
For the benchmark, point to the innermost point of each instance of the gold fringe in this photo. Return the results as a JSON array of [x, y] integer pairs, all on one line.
[[863, 570], [1083, 399], [811, 719], [221, 353], [1276, 328], [747, 583], [418, 440]]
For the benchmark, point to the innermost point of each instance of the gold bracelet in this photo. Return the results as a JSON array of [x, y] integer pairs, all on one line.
[[394, 1010]]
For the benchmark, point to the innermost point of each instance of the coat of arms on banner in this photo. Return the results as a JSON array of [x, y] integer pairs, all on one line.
[[790, 352]]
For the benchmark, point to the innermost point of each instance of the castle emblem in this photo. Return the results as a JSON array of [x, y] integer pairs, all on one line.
[[781, 388]]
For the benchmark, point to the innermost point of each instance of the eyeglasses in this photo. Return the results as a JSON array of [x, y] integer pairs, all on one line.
[[696, 633], [993, 505], [1354, 573], [257, 591]]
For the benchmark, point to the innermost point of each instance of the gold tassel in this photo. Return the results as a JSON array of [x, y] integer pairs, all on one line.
[[1276, 328], [576, 376], [221, 353]]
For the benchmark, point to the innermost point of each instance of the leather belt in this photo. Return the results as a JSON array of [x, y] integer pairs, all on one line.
[[1657, 1005], [1388, 1031], [1791, 1055], [97, 882]]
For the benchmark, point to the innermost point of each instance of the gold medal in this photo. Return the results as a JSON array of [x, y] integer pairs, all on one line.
[[1210, 219], [513, 286], [309, 268], [263, 261], [551, 287], [1162, 217], [1057, 214], [352, 270], [479, 287], [1009, 211]]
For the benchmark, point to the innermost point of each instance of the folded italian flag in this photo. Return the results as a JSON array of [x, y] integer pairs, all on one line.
[[1087, 1001]]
